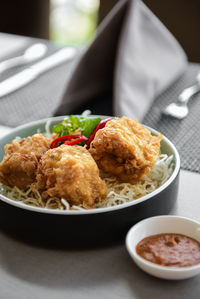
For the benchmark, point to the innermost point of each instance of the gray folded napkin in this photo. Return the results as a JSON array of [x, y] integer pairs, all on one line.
[[133, 54]]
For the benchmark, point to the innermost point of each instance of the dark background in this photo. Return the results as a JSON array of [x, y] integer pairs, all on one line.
[[182, 18]]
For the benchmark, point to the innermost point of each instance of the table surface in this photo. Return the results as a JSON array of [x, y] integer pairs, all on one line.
[[109, 272], [33, 272]]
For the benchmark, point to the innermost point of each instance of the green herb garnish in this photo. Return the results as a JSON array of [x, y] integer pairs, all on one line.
[[72, 123]]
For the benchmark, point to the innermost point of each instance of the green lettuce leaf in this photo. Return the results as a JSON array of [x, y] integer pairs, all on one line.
[[88, 125], [60, 129], [72, 123]]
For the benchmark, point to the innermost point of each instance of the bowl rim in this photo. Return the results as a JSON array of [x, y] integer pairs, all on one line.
[[96, 210], [153, 266]]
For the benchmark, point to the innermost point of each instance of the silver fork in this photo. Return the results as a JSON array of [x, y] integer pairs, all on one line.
[[180, 109]]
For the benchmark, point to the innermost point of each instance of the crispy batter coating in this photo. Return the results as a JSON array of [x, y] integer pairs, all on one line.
[[125, 149], [37, 144], [70, 172], [19, 165]]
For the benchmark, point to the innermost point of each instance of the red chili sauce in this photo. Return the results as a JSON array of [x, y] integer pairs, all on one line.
[[170, 250]]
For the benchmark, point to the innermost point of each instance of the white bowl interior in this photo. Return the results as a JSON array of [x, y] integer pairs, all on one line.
[[158, 225]]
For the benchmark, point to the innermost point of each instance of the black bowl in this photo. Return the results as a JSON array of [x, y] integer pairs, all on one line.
[[89, 227]]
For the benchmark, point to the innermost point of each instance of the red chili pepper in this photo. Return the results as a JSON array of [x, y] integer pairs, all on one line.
[[100, 125], [64, 138], [76, 141]]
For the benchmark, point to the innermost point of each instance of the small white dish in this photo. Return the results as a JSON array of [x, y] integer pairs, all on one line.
[[159, 225]]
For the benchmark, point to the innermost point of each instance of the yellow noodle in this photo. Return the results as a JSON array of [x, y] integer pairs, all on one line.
[[119, 193]]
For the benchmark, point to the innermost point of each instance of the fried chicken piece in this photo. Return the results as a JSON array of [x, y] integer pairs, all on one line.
[[37, 145], [71, 173], [125, 149], [19, 165], [18, 170]]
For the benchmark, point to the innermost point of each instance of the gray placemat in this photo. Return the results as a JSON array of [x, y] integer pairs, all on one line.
[[185, 134], [38, 99]]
